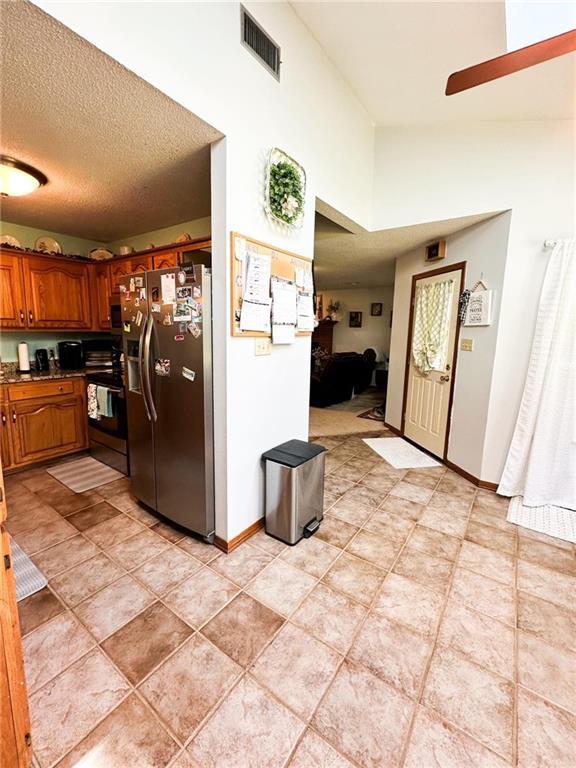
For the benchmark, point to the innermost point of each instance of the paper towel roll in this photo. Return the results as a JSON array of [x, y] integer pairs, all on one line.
[[23, 358]]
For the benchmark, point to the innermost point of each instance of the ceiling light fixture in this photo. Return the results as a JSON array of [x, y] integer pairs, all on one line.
[[17, 178]]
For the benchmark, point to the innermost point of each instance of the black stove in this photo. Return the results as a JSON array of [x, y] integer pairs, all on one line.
[[113, 379]]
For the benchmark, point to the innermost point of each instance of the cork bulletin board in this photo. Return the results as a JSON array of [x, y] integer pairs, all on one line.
[[283, 265]]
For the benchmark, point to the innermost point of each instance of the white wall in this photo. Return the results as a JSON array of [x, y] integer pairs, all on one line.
[[483, 247], [192, 52], [375, 331], [435, 172]]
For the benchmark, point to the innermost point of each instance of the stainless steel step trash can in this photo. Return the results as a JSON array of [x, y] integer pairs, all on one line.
[[294, 490]]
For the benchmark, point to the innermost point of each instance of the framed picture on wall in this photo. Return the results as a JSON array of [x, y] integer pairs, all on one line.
[[355, 320], [376, 309]]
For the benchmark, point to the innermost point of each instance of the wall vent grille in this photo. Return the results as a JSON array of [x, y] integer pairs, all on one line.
[[260, 44]]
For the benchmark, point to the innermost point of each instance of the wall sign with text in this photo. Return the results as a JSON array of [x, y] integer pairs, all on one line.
[[479, 310]]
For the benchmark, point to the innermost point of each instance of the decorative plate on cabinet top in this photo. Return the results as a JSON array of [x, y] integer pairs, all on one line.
[[183, 237], [9, 240], [47, 245], [101, 254]]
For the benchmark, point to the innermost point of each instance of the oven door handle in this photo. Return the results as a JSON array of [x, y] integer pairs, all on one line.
[[114, 390], [146, 364], [141, 369]]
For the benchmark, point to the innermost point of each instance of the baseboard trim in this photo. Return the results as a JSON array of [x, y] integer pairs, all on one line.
[[230, 546], [454, 467], [471, 478]]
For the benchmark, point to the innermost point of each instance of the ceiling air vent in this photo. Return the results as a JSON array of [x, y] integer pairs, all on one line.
[[258, 42]]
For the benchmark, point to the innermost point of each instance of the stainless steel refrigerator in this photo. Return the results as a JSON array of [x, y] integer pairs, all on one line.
[[167, 342]]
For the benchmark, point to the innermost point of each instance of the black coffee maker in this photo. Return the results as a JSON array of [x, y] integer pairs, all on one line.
[[41, 356]]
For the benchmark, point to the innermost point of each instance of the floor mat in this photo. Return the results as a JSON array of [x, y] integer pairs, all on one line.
[[399, 453], [553, 521], [374, 414], [26, 575], [83, 474]]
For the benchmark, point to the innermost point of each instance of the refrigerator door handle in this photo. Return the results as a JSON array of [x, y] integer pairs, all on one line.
[[141, 369], [146, 365]]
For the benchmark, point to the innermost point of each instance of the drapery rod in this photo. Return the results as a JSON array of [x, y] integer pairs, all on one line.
[[550, 243]]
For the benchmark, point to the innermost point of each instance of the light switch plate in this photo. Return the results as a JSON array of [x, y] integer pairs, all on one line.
[[262, 347], [466, 345]]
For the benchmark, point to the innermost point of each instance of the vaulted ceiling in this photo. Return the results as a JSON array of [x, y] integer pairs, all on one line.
[[397, 56]]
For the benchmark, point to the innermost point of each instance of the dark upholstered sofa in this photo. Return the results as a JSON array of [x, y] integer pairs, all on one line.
[[340, 376]]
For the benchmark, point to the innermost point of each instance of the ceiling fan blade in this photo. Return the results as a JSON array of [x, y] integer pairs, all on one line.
[[511, 62]]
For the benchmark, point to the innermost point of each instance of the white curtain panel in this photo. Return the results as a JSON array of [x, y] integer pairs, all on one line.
[[541, 462], [432, 325]]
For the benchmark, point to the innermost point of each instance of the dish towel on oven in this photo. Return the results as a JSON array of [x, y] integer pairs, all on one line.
[[104, 400], [92, 401]]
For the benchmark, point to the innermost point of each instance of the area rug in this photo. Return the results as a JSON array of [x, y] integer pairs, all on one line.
[[399, 453], [84, 474], [375, 414], [27, 577], [553, 521]]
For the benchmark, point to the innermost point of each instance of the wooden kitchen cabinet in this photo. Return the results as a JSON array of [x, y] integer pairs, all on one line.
[[57, 293], [12, 301], [101, 297], [168, 259], [5, 447], [39, 292], [45, 419], [119, 268], [141, 264]]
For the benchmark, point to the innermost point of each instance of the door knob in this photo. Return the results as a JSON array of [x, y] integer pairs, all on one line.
[[444, 378]]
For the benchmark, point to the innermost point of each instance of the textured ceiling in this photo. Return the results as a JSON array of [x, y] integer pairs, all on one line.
[[368, 258], [397, 56], [120, 156]]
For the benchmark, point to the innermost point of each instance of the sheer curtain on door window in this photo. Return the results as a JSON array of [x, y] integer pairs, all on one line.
[[433, 302]]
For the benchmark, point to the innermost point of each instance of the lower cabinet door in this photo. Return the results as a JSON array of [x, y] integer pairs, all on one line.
[[45, 428], [5, 449]]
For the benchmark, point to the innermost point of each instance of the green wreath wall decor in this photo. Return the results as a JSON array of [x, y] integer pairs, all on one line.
[[285, 189]]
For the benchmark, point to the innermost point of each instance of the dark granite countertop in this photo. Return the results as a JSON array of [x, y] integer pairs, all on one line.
[[9, 375]]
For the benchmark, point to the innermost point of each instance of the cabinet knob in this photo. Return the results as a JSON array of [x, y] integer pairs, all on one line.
[[14, 416], [60, 388], [30, 316], [21, 316], [3, 418]]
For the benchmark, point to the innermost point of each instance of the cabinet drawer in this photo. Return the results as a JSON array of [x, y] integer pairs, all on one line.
[[42, 389]]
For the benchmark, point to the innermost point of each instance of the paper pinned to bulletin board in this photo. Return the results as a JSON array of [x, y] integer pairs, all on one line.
[[255, 266]]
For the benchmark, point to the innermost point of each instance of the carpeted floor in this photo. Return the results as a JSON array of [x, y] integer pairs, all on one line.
[[324, 423], [342, 418]]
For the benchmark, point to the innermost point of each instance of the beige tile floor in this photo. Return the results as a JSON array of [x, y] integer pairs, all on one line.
[[417, 628]]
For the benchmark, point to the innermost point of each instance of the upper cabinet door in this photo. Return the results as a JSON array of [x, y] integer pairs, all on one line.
[[166, 260], [119, 268], [102, 297], [57, 292], [12, 303], [141, 264]]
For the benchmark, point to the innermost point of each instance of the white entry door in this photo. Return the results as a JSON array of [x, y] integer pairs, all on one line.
[[431, 359]]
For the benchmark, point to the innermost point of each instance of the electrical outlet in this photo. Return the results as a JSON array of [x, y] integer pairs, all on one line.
[[262, 347], [466, 345]]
